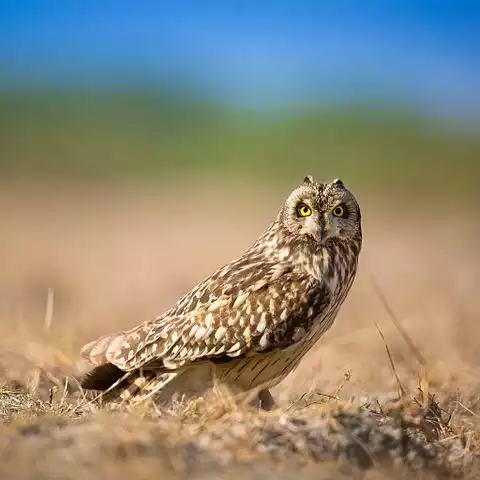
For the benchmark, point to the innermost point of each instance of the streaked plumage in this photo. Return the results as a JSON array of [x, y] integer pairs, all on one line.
[[248, 324]]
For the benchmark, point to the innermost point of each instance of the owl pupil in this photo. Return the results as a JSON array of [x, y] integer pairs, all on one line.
[[303, 210], [340, 211]]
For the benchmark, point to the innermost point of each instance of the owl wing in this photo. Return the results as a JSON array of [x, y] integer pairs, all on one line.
[[272, 311]]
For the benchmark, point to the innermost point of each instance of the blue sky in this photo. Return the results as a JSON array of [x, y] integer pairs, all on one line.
[[258, 53]]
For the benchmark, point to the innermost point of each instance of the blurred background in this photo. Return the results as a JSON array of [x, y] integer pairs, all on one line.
[[144, 144]]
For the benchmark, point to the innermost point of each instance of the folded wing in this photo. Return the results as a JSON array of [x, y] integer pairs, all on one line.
[[271, 313]]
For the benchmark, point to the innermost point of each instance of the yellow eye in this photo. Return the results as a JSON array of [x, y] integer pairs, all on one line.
[[303, 210], [339, 211]]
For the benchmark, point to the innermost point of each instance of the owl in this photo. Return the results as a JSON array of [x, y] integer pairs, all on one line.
[[247, 325]]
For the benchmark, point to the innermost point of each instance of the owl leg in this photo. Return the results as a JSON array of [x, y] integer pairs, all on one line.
[[265, 400]]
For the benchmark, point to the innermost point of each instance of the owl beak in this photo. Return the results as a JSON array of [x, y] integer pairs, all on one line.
[[322, 233], [327, 229]]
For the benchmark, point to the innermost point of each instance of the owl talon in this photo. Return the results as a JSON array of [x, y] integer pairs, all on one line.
[[265, 400]]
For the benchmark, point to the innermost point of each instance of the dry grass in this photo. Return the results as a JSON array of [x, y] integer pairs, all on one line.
[[76, 264]]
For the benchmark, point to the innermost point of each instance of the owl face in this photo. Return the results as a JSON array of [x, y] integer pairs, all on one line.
[[318, 212]]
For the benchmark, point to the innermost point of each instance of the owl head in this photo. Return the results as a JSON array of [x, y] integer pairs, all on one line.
[[321, 211]]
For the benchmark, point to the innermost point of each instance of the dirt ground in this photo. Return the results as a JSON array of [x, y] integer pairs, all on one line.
[[78, 262]]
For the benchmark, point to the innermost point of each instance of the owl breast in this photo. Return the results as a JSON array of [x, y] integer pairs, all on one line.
[[268, 369], [338, 273]]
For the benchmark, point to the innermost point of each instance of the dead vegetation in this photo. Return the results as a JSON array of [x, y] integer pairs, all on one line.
[[68, 436]]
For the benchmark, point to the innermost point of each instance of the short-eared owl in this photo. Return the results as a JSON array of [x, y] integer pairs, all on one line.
[[249, 324]]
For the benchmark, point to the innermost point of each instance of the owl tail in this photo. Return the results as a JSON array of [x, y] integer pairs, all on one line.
[[145, 385], [116, 383], [104, 375], [102, 350], [131, 387]]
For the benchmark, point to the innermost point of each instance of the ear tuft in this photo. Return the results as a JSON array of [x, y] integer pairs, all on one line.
[[308, 180]]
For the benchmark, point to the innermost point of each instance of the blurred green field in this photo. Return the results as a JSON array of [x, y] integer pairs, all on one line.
[[140, 135]]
